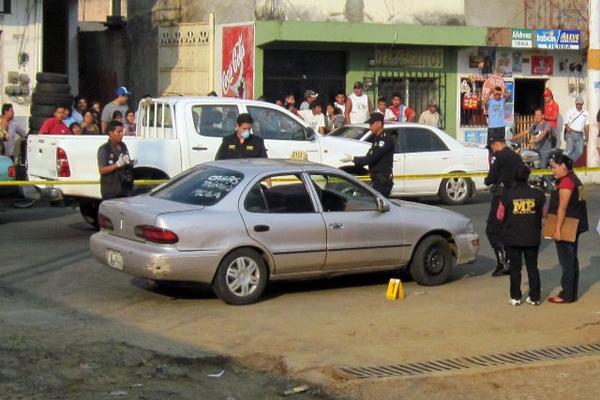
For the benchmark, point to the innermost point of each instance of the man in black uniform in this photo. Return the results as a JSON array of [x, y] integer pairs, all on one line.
[[504, 164], [114, 164], [242, 144], [380, 157]]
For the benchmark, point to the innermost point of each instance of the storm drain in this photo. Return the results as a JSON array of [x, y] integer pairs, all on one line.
[[456, 364]]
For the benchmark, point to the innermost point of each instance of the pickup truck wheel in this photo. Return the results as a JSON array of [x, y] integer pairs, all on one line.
[[241, 277], [51, 77], [432, 261], [454, 191], [89, 212]]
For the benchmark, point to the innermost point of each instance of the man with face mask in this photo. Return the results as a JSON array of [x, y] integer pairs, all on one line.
[[242, 144]]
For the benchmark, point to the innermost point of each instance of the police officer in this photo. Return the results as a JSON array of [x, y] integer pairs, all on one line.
[[380, 157], [242, 144], [114, 164], [504, 164]]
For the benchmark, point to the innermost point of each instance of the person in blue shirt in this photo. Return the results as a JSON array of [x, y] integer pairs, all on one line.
[[495, 111]]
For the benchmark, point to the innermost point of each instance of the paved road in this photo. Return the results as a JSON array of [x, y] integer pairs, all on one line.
[[305, 329]]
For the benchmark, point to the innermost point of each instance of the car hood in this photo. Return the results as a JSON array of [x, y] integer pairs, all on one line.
[[436, 217]]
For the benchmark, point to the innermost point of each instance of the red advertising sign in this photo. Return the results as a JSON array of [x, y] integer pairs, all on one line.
[[237, 71], [542, 65]]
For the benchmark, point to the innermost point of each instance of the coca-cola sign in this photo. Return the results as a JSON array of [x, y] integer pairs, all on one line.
[[237, 72]]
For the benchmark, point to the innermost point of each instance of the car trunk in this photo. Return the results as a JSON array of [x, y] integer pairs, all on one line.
[[41, 156]]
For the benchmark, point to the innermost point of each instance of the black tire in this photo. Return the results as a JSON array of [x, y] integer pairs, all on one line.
[[41, 110], [223, 280], [51, 77], [89, 212], [455, 191], [36, 122], [432, 261], [51, 99], [57, 88], [34, 132]]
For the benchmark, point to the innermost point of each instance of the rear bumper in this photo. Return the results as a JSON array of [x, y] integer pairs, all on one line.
[[467, 247], [152, 261]]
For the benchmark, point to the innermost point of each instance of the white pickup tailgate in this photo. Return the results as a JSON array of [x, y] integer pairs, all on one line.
[[41, 156]]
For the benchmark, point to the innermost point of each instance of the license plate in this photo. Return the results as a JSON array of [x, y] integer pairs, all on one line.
[[114, 259]]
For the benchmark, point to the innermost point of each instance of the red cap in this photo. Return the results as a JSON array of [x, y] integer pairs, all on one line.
[[547, 92]]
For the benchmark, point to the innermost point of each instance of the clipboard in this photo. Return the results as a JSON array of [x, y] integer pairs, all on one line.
[[568, 230]]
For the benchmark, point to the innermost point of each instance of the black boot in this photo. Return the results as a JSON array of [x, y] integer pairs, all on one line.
[[499, 271], [501, 263]]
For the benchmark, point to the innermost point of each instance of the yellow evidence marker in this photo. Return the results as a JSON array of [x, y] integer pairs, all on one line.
[[395, 290]]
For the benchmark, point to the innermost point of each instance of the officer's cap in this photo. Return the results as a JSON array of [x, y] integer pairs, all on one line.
[[496, 136]]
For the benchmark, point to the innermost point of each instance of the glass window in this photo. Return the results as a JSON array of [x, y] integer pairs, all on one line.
[[214, 120], [202, 186], [350, 132], [337, 193], [282, 194], [273, 124], [416, 140]]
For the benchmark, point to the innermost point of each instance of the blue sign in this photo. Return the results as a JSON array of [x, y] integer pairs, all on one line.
[[568, 39]]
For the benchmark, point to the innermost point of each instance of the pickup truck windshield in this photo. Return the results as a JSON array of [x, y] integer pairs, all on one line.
[[201, 187]]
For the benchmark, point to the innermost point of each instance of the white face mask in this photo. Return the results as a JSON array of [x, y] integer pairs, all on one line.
[[245, 134]]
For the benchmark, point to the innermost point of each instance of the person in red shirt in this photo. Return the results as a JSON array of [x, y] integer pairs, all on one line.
[[55, 125], [401, 112], [551, 114]]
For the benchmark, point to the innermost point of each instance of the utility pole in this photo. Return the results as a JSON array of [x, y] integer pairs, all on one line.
[[593, 80]]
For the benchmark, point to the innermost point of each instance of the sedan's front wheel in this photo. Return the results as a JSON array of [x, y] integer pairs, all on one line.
[[241, 277], [432, 261], [456, 190]]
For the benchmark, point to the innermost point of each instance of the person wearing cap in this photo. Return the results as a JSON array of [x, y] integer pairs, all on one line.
[[309, 97], [568, 200], [242, 143], [358, 105], [431, 116], [551, 113], [401, 112], [379, 158], [502, 173], [577, 128], [120, 103], [314, 117], [495, 111]]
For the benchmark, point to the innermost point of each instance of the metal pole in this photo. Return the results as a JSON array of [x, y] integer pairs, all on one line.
[[593, 81], [116, 8], [211, 52]]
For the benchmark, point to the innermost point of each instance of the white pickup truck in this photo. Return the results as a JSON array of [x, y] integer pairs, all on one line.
[[175, 133]]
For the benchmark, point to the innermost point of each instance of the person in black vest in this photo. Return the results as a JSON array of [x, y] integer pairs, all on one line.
[[114, 164], [568, 200], [242, 143], [521, 210], [504, 164]]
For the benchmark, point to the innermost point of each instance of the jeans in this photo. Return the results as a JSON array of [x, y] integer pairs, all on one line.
[[567, 257], [515, 259], [574, 147]]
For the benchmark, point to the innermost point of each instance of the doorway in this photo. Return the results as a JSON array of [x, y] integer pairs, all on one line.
[[529, 95], [55, 42]]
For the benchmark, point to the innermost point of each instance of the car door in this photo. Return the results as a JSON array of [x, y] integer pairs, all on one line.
[[358, 234], [283, 134], [210, 122], [279, 214], [424, 153]]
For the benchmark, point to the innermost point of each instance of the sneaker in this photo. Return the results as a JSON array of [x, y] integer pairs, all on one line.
[[533, 303], [514, 302]]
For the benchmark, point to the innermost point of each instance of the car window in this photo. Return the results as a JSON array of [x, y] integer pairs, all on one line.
[[214, 120], [273, 124], [415, 140], [337, 193], [350, 132], [203, 186], [282, 194]]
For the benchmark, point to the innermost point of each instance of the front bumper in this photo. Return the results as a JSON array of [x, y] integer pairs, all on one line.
[[467, 247], [153, 261]]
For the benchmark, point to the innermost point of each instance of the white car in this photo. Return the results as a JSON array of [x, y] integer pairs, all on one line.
[[423, 150]]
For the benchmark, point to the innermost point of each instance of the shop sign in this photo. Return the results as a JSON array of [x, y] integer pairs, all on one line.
[[567, 39], [522, 38], [413, 58], [237, 71], [542, 65]]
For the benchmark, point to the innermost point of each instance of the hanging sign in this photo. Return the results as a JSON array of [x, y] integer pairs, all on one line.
[[566, 39], [237, 73], [522, 38]]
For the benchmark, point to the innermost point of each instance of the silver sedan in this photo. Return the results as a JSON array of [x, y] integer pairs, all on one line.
[[237, 224]]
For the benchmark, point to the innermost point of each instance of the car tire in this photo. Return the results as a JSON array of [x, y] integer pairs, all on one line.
[[39, 110], [455, 191], [432, 261], [51, 99], [89, 212], [58, 88], [51, 77], [35, 122], [227, 285]]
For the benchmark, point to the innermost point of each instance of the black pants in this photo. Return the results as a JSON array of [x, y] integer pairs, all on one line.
[[567, 257], [383, 183], [493, 231], [515, 258]]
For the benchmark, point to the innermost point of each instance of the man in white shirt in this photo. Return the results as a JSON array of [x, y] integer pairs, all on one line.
[[431, 116], [310, 96], [577, 125], [358, 106], [382, 109], [340, 101], [314, 117]]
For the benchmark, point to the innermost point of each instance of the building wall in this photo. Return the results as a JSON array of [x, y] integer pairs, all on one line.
[[505, 13], [97, 10]]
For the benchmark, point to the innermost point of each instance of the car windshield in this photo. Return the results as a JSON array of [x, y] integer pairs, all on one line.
[[350, 132], [204, 186]]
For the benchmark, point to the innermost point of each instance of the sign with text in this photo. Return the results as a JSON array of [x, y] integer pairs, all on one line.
[[542, 65], [566, 39], [522, 38], [237, 70], [415, 58]]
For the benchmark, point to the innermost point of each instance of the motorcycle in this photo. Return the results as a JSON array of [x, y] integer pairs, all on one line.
[[532, 159]]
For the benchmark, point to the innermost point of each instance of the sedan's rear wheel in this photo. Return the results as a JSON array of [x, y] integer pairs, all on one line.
[[456, 190], [241, 277], [432, 261]]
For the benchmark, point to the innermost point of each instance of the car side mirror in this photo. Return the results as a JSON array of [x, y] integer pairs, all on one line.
[[382, 205], [309, 134]]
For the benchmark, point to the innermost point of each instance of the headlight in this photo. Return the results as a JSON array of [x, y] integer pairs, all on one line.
[[470, 228]]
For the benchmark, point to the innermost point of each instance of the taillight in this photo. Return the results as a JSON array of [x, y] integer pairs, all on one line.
[[62, 163], [12, 172], [156, 234], [104, 222]]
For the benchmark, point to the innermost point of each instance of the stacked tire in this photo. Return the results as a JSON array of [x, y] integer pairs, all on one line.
[[50, 91]]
